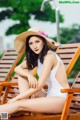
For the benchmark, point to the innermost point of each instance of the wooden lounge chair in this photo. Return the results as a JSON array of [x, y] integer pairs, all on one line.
[[71, 110], [7, 64], [72, 52], [69, 53]]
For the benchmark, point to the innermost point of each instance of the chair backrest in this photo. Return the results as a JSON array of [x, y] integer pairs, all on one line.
[[7, 64], [67, 54], [75, 104]]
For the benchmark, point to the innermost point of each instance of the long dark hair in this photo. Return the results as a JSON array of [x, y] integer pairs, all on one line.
[[31, 57]]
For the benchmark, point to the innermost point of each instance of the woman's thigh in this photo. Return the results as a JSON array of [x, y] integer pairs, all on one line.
[[43, 104]]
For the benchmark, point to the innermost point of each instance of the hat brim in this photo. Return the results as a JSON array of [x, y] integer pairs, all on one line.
[[20, 40]]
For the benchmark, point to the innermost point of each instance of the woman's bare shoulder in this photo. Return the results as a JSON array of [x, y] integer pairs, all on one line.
[[50, 57]]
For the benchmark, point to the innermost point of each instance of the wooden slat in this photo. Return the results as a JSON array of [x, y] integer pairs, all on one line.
[[6, 61], [14, 90], [76, 94], [78, 79], [4, 70], [76, 85], [2, 79], [12, 95], [66, 60], [9, 50], [3, 74], [74, 110], [76, 98], [74, 45], [75, 106], [66, 51], [4, 66], [65, 56], [9, 57], [11, 53]]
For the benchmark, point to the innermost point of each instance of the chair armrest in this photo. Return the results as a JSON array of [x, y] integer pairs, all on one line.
[[8, 84], [70, 90]]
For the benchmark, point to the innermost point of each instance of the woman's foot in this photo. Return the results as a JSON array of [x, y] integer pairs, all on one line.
[[20, 113]]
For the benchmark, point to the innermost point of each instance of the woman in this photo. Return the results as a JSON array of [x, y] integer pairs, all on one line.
[[39, 52]]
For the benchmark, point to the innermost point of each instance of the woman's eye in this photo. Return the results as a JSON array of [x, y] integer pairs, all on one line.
[[37, 41], [30, 43]]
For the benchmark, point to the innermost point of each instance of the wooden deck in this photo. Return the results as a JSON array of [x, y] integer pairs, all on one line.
[[46, 117]]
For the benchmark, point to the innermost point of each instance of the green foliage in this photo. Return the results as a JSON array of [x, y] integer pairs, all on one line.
[[75, 69], [17, 28], [69, 33], [77, 65], [1, 54], [22, 10]]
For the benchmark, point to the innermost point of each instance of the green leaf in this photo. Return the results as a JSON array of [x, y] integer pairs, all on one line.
[[22, 10], [17, 29]]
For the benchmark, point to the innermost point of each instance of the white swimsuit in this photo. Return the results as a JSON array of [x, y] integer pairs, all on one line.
[[54, 86]]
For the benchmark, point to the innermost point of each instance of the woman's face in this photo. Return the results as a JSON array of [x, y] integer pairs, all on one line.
[[36, 44]]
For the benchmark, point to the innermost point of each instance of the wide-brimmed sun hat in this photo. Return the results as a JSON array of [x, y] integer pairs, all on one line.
[[20, 40]]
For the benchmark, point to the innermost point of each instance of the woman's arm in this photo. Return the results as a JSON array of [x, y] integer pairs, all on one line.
[[20, 69], [23, 71], [26, 94]]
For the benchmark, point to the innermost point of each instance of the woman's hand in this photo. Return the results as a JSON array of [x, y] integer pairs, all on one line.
[[32, 81]]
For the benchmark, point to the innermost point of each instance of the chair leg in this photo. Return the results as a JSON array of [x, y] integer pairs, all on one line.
[[66, 107]]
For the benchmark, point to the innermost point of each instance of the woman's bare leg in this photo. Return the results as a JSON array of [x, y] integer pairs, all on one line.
[[39, 105], [44, 105], [10, 107], [22, 84]]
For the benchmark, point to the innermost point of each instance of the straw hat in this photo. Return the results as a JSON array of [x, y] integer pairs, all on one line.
[[20, 40]]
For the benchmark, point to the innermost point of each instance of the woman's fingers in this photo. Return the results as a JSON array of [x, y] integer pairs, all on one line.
[[33, 83]]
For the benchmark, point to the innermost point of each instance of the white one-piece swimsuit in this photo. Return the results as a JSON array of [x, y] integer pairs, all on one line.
[[54, 86]]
